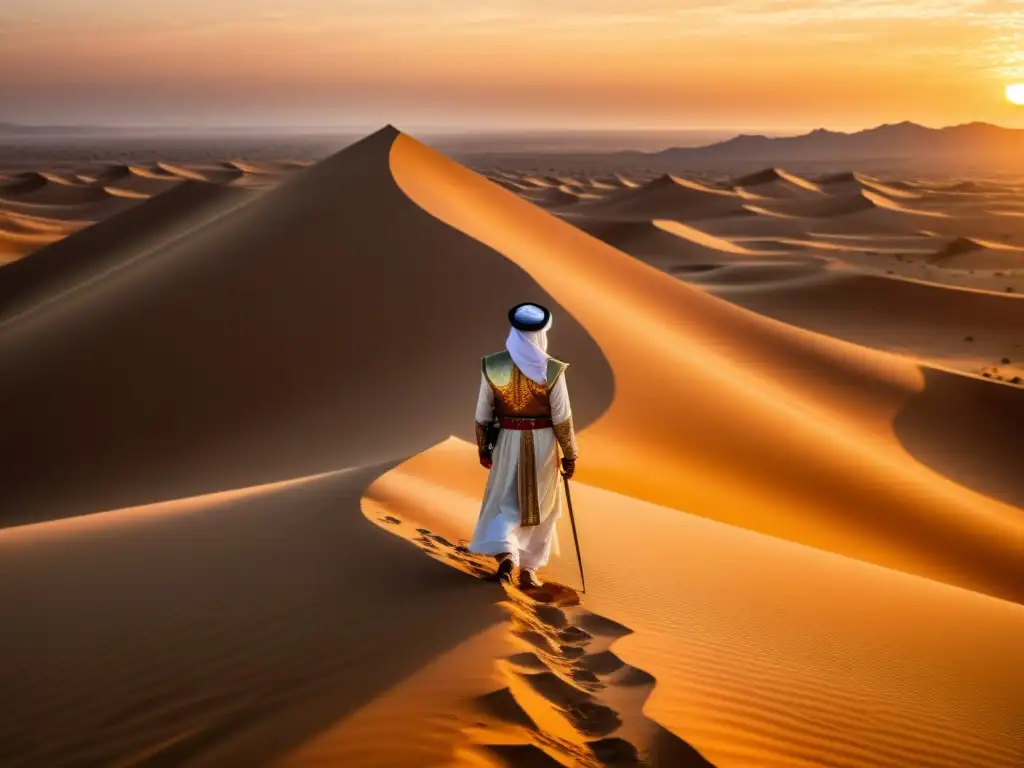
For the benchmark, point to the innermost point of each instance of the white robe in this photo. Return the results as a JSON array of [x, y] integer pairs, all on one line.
[[498, 529]]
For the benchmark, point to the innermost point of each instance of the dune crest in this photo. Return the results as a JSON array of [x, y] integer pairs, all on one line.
[[667, 197], [775, 181]]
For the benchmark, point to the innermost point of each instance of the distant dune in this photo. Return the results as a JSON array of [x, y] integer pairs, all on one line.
[[666, 197], [775, 182]]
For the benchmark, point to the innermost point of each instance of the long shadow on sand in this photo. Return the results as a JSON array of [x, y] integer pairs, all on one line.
[[330, 322], [223, 633], [933, 424], [939, 427]]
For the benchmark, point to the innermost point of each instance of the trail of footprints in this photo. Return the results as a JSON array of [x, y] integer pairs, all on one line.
[[569, 701]]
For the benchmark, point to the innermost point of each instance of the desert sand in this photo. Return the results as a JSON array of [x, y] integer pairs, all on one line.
[[237, 400]]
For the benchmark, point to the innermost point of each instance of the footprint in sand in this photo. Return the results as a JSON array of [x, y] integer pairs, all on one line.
[[588, 716], [568, 666], [569, 669]]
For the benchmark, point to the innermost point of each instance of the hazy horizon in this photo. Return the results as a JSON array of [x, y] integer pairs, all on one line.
[[768, 66]]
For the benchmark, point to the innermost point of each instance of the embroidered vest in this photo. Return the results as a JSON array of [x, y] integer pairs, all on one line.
[[515, 394]]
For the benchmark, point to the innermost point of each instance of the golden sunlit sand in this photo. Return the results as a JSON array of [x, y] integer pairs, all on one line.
[[238, 396]]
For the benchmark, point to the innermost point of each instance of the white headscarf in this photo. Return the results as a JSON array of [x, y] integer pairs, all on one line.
[[529, 348]]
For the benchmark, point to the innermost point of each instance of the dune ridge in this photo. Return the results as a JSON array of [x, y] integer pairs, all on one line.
[[776, 181], [77, 259], [667, 197], [96, 194]]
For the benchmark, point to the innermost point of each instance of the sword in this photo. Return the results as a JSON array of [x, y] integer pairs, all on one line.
[[575, 538]]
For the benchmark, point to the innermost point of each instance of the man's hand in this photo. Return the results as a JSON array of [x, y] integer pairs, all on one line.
[[485, 460], [568, 467]]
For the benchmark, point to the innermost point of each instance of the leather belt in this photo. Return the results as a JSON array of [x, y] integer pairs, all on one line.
[[523, 422]]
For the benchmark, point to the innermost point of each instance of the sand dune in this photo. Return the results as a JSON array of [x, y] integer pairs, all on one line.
[[847, 181], [607, 183], [860, 201], [113, 172], [141, 184], [801, 253], [21, 234], [666, 244], [153, 172], [757, 367], [15, 244], [657, 236], [257, 265], [801, 551], [535, 181], [746, 275], [626, 181], [223, 629], [38, 189], [666, 197], [969, 253], [239, 303], [129, 236], [926, 321], [217, 173], [775, 182], [264, 168], [102, 205], [511, 184], [552, 197], [100, 194]]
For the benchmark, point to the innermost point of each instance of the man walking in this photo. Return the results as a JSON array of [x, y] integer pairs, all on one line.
[[523, 389]]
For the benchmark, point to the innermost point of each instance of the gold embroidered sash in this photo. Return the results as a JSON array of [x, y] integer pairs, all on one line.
[[529, 504]]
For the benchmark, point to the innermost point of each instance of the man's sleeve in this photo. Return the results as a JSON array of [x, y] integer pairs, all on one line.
[[484, 412], [561, 417]]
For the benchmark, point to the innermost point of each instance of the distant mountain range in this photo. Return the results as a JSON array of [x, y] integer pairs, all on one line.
[[980, 143], [901, 141]]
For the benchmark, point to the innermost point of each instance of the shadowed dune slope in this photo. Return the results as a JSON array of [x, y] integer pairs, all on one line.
[[878, 311], [49, 272], [226, 630], [22, 184], [329, 323], [731, 415]]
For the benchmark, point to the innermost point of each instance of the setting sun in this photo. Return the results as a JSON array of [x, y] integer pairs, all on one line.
[[1015, 93]]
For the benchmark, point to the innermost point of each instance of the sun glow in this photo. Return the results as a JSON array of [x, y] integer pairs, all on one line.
[[1015, 93]]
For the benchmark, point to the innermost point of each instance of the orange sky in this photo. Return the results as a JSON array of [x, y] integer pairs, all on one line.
[[743, 64]]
